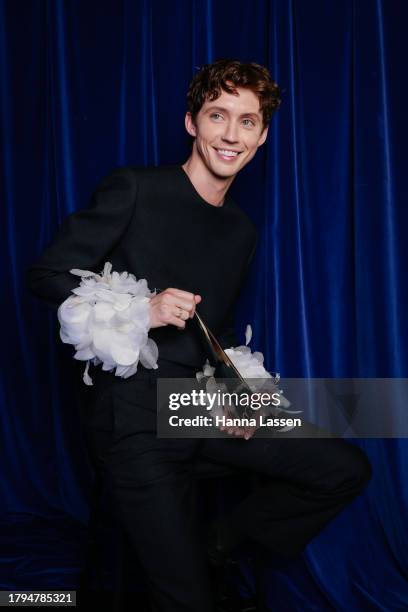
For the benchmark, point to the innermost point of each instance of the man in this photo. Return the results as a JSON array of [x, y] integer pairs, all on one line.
[[177, 227]]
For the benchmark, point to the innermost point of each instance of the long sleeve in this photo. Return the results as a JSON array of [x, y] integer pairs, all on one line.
[[85, 238]]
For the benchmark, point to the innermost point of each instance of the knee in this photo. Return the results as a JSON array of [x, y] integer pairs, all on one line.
[[358, 467]]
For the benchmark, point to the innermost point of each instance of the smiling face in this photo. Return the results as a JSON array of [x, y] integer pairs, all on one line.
[[227, 132]]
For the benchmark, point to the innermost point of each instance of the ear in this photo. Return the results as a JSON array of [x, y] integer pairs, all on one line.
[[190, 125], [263, 135]]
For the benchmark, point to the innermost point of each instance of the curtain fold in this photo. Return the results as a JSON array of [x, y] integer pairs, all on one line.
[[88, 86]]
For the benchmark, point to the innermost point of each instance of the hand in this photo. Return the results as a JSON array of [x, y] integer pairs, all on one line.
[[172, 307], [240, 432]]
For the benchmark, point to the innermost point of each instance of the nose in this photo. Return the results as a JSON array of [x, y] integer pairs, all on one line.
[[230, 134]]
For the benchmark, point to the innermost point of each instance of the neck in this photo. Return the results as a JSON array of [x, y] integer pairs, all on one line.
[[210, 186]]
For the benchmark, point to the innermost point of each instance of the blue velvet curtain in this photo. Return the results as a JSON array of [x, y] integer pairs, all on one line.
[[90, 85]]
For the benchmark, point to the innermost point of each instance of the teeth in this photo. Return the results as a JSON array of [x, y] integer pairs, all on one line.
[[228, 153]]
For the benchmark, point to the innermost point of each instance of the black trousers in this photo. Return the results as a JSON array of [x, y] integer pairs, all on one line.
[[307, 482]]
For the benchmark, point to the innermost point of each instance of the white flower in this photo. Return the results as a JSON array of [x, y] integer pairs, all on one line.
[[107, 321], [250, 366]]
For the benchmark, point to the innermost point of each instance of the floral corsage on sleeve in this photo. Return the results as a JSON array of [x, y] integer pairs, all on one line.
[[107, 321], [250, 365]]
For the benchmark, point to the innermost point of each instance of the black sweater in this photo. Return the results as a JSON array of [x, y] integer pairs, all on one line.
[[153, 223]]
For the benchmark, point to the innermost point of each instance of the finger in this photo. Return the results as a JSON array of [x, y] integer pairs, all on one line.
[[185, 303], [181, 314], [177, 321], [189, 300], [249, 433], [180, 294], [235, 431], [197, 300], [164, 313]]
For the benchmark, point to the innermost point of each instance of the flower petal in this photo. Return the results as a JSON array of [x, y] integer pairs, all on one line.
[[248, 334]]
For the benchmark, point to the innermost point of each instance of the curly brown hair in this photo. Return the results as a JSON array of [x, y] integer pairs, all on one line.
[[212, 78]]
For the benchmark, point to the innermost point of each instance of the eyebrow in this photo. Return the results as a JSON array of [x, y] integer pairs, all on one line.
[[225, 110]]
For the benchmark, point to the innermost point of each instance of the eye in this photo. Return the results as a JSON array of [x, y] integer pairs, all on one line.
[[215, 115], [249, 124]]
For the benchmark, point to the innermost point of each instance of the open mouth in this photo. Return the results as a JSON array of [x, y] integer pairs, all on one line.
[[227, 154]]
